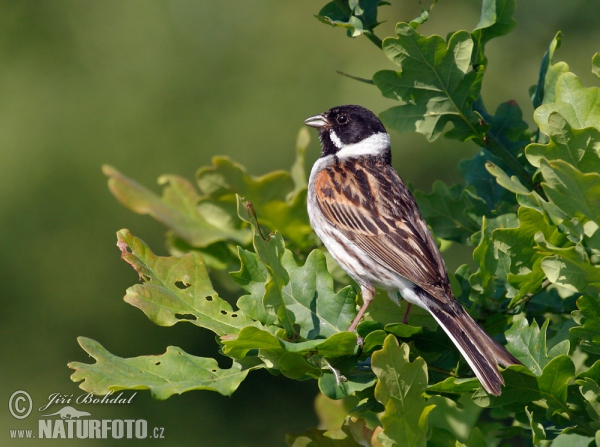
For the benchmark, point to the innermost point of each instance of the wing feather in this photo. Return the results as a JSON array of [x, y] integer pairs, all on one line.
[[370, 204]]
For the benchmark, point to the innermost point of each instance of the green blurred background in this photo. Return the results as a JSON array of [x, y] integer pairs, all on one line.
[[156, 87]]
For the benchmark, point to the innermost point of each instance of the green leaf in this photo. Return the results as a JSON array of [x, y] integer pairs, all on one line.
[[251, 338], [270, 251], [308, 294], [453, 213], [476, 438], [357, 17], [176, 289], [528, 344], [482, 282], [575, 193], [519, 243], [596, 64], [544, 92], [578, 105], [297, 171], [537, 430], [496, 20], [353, 381], [571, 440], [455, 386], [313, 437], [569, 267], [177, 209], [440, 437], [400, 389], [473, 170], [591, 393], [434, 82], [578, 147], [173, 372], [588, 318], [521, 386], [554, 381], [252, 277], [279, 203], [525, 197]]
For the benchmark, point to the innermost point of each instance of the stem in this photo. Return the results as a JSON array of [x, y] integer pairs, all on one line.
[[373, 38], [526, 298]]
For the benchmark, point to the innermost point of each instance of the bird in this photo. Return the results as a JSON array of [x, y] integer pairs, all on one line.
[[370, 223]]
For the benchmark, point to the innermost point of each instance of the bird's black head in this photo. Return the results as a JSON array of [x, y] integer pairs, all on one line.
[[350, 131]]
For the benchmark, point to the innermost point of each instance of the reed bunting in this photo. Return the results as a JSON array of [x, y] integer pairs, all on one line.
[[370, 223]]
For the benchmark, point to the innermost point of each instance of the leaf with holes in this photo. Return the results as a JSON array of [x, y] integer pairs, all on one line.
[[434, 83], [176, 289], [400, 389], [173, 372], [177, 209]]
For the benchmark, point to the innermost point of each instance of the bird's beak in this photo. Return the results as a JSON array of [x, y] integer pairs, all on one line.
[[317, 121]]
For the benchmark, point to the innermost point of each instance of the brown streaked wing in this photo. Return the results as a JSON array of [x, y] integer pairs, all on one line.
[[370, 205]]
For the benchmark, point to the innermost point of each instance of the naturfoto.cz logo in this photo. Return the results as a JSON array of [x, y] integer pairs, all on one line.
[[71, 423]]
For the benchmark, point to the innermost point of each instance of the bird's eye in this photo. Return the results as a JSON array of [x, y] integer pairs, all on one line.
[[342, 119]]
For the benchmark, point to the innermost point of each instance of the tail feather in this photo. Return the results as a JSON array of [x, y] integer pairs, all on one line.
[[482, 352]]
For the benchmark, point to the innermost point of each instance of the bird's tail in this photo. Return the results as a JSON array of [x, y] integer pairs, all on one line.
[[482, 352]]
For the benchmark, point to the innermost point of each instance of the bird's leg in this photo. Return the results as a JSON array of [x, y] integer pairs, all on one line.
[[406, 313], [367, 295]]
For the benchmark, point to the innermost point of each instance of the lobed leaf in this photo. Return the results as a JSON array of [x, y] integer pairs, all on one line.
[[575, 193], [496, 20], [579, 106], [434, 82], [173, 372], [357, 16], [544, 92], [528, 344], [453, 213], [400, 389], [278, 198], [537, 429], [177, 209], [281, 292], [569, 267], [588, 318], [176, 289], [526, 273], [578, 147], [554, 381]]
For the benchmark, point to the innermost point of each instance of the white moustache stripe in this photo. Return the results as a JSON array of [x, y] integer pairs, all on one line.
[[374, 145], [335, 139]]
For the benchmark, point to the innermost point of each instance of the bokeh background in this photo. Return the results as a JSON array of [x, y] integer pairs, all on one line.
[[156, 87]]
